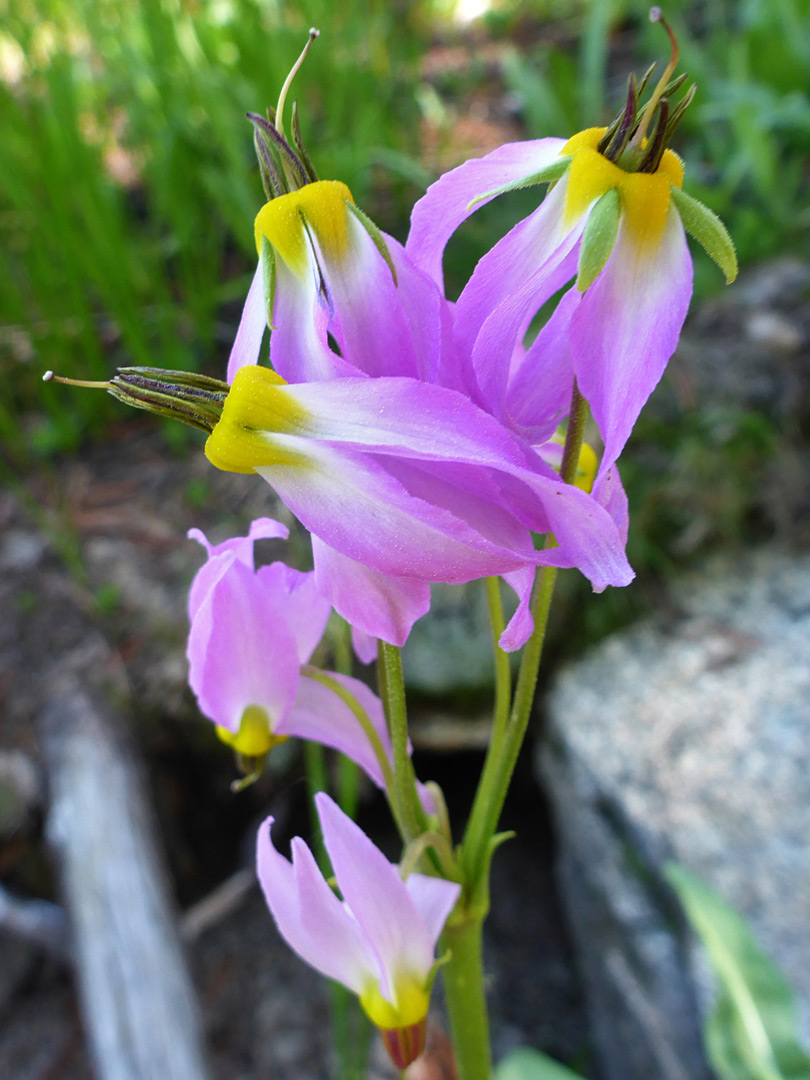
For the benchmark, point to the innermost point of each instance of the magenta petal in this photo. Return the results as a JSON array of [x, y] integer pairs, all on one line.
[[519, 628], [240, 651], [438, 214], [609, 492], [309, 916], [248, 341], [319, 715], [354, 505], [539, 393], [240, 546], [295, 593], [626, 328], [364, 646], [368, 320], [299, 346], [380, 605], [378, 898], [521, 272]]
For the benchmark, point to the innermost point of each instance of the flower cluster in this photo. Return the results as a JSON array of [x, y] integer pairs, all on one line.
[[420, 441]]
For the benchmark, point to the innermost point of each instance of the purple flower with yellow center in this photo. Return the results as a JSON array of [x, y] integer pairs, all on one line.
[[614, 220], [404, 480], [378, 938], [252, 631]]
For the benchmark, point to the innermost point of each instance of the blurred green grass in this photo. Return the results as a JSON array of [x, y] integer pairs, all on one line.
[[128, 184]]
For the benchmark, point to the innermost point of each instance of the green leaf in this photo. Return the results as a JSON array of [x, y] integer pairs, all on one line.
[[709, 231], [554, 171], [526, 1064], [599, 238], [751, 1033]]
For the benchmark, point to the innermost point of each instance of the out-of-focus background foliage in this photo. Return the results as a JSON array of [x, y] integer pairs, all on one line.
[[128, 183]]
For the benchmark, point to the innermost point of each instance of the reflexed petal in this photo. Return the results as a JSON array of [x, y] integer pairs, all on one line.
[[539, 393], [356, 506], [231, 668], [439, 212], [299, 347], [248, 341], [626, 328], [519, 628], [241, 546], [377, 896], [364, 645], [522, 270], [309, 916], [609, 492], [380, 605], [506, 326], [368, 320], [319, 715], [296, 595], [434, 899]]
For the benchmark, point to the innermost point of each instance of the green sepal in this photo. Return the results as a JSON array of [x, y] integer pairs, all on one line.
[[599, 238], [709, 231], [268, 258], [554, 171], [376, 236]]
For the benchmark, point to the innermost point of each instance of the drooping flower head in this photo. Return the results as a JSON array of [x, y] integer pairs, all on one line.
[[378, 939], [251, 633], [614, 221]]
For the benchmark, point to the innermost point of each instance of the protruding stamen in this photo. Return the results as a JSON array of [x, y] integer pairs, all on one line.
[[89, 384], [641, 132], [313, 33]]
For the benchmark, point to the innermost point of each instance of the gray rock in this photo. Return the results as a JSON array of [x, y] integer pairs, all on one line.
[[686, 739]]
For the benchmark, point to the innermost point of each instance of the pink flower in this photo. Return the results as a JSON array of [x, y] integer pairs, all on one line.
[[379, 940], [251, 632], [613, 220]]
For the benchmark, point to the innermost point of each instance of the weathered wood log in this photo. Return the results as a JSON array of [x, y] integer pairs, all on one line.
[[138, 1003]]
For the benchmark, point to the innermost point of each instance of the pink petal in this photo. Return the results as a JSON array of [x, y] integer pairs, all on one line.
[[510, 284], [380, 605], [378, 898], [248, 341], [368, 320], [539, 393], [364, 646], [438, 214], [519, 628], [434, 899], [296, 595], [319, 715], [242, 548], [299, 347], [309, 916], [240, 651], [626, 328]]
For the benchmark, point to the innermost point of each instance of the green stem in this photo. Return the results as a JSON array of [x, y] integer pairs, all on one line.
[[463, 978], [503, 752], [503, 673], [408, 809]]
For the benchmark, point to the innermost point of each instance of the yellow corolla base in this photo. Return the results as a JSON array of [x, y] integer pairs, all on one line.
[[587, 465], [255, 736], [257, 408], [411, 1007], [322, 207], [644, 197]]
